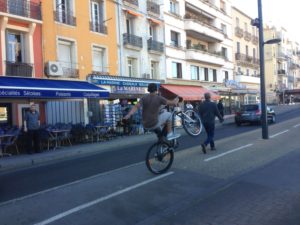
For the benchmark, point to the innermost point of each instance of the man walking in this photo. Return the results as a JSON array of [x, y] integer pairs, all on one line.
[[32, 126], [208, 111], [221, 107]]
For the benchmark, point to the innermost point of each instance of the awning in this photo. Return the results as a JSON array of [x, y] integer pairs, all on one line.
[[188, 93], [20, 87], [132, 12], [157, 22]]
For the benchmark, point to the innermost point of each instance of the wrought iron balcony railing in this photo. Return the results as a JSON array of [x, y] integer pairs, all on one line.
[[246, 59], [132, 40], [281, 72], [254, 39], [19, 69], [22, 8], [98, 27], [65, 17], [247, 36], [155, 46], [153, 7], [239, 32], [133, 2]]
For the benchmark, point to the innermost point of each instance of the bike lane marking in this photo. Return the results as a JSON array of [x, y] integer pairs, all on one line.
[[275, 135], [228, 152], [104, 198]]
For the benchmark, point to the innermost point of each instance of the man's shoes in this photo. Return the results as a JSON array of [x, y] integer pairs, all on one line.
[[171, 136], [203, 148], [213, 149]]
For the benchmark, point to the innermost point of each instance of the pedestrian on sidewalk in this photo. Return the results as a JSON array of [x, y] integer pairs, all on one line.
[[221, 107], [31, 127], [208, 112]]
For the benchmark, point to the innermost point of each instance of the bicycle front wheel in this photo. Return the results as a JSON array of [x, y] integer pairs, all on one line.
[[191, 123], [159, 158]]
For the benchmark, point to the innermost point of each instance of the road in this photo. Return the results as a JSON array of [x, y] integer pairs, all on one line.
[[115, 187]]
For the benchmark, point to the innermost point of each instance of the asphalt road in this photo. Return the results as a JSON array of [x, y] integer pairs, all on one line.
[[28, 181]]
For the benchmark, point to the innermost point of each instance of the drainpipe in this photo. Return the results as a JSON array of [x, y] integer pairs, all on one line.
[[119, 38]]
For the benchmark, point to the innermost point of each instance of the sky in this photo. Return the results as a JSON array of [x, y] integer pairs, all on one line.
[[275, 12]]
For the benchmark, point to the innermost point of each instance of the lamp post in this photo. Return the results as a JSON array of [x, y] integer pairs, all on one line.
[[258, 22]]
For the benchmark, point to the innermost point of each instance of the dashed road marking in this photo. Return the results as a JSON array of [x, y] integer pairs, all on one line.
[[228, 152], [298, 125], [274, 135], [89, 204]]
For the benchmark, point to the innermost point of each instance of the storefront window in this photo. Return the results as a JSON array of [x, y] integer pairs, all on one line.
[[3, 115]]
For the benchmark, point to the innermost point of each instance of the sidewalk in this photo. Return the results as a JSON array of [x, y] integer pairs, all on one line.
[[22, 161]]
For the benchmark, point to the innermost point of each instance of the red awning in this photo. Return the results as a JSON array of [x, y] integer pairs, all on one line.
[[132, 12], [188, 93]]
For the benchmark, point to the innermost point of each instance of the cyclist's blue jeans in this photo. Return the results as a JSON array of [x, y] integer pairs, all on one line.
[[210, 131]]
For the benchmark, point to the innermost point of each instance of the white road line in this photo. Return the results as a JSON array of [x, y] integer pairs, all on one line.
[[274, 135], [89, 204], [68, 184], [298, 125], [228, 152]]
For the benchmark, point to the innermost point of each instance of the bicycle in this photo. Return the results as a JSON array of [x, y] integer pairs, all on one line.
[[160, 155]]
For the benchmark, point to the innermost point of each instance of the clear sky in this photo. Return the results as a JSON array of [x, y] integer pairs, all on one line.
[[275, 12]]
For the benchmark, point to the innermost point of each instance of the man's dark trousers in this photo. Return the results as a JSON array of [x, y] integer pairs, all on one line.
[[34, 141], [210, 131]]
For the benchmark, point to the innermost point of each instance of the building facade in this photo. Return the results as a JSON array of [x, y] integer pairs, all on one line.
[[198, 36], [246, 56]]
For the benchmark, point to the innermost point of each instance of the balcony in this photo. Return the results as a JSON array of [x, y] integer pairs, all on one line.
[[155, 46], [239, 32], [247, 79], [247, 36], [132, 41], [246, 60], [281, 72], [66, 17], [199, 55], [22, 8], [134, 3], [152, 7], [197, 29], [255, 40], [18, 69], [70, 70], [98, 27]]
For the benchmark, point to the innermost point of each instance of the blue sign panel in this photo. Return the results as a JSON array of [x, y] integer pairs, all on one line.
[[125, 83], [12, 93]]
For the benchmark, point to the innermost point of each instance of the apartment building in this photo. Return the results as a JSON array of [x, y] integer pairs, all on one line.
[[198, 36], [246, 56]]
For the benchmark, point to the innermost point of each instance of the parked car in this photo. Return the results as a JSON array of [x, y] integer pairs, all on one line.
[[251, 113]]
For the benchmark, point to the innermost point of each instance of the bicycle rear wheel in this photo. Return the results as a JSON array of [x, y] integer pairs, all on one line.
[[159, 158], [191, 123]]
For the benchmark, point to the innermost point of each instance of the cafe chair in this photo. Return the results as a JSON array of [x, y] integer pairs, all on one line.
[[10, 141]]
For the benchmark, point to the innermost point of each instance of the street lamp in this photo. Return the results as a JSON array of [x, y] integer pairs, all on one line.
[[258, 22]]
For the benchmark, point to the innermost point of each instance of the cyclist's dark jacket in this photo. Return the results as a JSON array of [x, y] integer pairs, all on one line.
[[208, 111]]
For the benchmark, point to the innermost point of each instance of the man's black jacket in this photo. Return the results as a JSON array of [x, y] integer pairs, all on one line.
[[208, 111]]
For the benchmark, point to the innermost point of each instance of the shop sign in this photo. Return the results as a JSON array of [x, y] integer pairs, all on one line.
[[128, 90], [234, 84], [119, 83], [48, 94]]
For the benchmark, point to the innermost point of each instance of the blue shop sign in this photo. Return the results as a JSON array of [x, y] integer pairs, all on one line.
[[126, 83]]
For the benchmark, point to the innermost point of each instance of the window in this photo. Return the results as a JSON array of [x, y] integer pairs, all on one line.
[[194, 73], [214, 75], [226, 75], [237, 21], [246, 26], [254, 53], [224, 28], [132, 67], [223, 6], [154, 70], [176, 70], [206, 74], [152, 32], [224, 52], [15, 47], [17, 7], [174, 7], [238, 47], [99, 59], [247, 50], [174, 39], [64, 12], [67, 56], [247, 72], [129, 26], [97, 18]]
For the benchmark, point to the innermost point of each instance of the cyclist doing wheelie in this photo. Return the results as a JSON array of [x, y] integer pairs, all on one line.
[[152, 118]]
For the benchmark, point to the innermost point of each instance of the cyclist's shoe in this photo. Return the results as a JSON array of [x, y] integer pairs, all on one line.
[[172, 136]]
